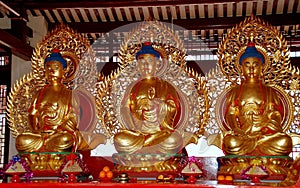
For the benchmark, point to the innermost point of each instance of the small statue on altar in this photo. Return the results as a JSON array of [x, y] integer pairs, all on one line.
[[54, 115], [254, 113], [153, 111]]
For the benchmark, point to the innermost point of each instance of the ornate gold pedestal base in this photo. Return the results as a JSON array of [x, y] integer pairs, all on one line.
[[266, 167], [147, 165], [45, 164]]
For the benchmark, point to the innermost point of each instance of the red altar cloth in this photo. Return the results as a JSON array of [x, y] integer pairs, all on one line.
[[119, 185]]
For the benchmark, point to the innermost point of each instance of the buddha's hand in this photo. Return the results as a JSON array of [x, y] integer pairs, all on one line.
[[238, 132], [171, 112], [33, 123], [267, 130], [258, 118]]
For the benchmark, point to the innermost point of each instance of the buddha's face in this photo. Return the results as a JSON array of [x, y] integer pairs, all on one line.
[[147, 65], [252, 67], [54, 71]]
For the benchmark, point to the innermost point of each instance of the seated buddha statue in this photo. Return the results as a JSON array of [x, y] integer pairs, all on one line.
[[254, 113], [53, 115], [152, 111]]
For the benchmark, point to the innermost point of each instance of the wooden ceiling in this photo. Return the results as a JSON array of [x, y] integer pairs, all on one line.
[[209, 19]]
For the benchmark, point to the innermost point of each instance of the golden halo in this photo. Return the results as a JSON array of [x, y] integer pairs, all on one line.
[[73, 65], [71, 45], [267, 39], [168, 44]]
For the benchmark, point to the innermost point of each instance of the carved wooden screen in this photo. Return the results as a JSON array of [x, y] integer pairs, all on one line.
[[5, 72]]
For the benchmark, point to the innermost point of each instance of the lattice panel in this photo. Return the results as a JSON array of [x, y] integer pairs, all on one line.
[[4, 60], [3, 95], [296, 152]]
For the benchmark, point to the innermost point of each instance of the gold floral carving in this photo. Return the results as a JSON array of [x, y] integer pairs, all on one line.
[[268, 39]]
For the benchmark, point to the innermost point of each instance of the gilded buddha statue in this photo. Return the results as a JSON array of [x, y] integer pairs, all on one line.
[[153, 106], [153, 109], [51, 110], [53, 115], [257, 104], [254, 113]]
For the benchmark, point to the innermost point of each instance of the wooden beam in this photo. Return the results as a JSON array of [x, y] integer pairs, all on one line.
[[17, 47], [189, 24], [38, 4]]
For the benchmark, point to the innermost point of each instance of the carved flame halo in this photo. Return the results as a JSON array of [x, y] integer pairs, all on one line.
[[73, 65]]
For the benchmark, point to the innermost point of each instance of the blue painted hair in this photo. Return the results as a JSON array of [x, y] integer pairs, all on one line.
[[147, 49], [251, 51], [56, 56]]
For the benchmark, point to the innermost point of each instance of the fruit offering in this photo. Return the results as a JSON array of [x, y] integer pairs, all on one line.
[[106, 174]]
